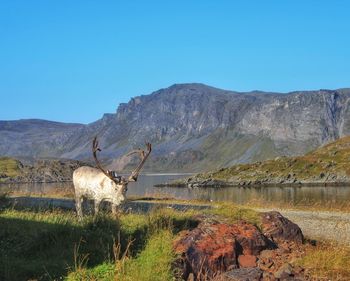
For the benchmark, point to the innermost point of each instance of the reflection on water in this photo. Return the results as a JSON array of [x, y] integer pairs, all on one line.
[[145, 187]]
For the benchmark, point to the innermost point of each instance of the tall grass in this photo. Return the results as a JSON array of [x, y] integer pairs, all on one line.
[[154, 260], [48, 245], [153, 263], [40, 245], [327, 261]]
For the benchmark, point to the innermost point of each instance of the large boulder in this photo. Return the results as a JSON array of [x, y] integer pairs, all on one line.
[[240, 251], [212, 248], [278, 228]]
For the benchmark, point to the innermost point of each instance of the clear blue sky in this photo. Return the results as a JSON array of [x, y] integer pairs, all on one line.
[[72, 61]]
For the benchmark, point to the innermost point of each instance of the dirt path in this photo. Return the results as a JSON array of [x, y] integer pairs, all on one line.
[[320, 224]]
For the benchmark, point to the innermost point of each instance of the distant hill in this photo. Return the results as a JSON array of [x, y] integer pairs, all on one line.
[[193, 127], [328, 164], [36, 138], [48, 170]]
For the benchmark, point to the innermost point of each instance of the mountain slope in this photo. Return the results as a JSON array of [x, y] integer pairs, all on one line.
[[194, 127], [33, 137], [328, 164]]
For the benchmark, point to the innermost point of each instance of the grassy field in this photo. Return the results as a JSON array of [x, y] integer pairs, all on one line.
[[49, 245]]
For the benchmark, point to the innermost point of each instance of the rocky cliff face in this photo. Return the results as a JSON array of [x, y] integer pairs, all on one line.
[[193, 127]]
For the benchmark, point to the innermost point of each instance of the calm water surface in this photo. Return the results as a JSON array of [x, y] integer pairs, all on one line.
[[145, 187]]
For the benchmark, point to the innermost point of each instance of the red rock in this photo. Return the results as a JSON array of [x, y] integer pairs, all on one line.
[[249, 238], [212, 248], [247, 261]]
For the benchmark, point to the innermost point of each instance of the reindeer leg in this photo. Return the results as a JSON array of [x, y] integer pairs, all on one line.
[[97, 206], [78, 201], [114, 209]]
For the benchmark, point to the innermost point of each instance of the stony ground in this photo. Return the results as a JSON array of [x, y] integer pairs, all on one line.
[[326, 225]]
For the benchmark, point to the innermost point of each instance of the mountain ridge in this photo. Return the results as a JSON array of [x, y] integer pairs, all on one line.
[[194, 127]]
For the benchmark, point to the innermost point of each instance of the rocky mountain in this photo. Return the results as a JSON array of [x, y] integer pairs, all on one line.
[[193, 127]]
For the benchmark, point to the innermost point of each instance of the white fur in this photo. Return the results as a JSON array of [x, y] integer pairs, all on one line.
[[93, 184]]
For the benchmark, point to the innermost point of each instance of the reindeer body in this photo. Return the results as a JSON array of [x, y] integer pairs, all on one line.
[[102, 185], [93, 184]]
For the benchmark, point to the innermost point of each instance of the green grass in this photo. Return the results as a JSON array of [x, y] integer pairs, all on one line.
[[105, 272], [42, 245], [152, 263], [49, 245], [233, 213], [154, 260]]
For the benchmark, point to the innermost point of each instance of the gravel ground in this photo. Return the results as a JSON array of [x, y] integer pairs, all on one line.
[[325, 225]]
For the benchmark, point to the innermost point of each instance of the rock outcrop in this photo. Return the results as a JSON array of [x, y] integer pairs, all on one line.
[[52, 170], [236, 251], [278, 228]]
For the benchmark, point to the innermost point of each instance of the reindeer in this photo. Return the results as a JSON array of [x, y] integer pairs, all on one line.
[[104, 185]]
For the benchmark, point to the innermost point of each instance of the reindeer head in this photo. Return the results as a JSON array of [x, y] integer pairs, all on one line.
[[118, 182]]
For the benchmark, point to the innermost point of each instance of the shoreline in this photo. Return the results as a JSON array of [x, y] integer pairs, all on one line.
[[209, 184], [218, 184], [150, 174]]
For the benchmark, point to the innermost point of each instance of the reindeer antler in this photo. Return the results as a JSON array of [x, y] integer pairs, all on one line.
[[95, 148], [143, 155], [134, 175]]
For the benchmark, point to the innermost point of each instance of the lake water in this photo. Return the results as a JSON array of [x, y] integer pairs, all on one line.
[[304, 195]]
